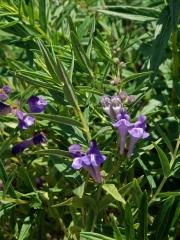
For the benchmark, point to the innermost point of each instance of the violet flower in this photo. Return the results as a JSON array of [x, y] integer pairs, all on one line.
[[131, 99], [39, 139], [123, 125], [136, 133], [4, 92], [5, 108], [3, 97], [36, 140], [111, 106], [24, 121], [116, 104], [123, 95], [90, 161], [20, 147], [7, 89], [37, 104], [106, 103]]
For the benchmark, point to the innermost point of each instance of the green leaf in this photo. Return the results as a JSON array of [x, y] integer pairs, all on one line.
[[5, 209], [94, 236], [174, 12], [116, 230], [6, 144], [31, 11], [10, 178], [42, 15], [35, 82], [164, 161], [24, 232], [4, 25], [145, 11], [129, 16], [49, 60], [112, 190], [161, 223], [135, 76], [79, 191], [57, 119], [143, 217], [53, 152], [102, 49], [162, 35], [80, 53], [129, 229], [68, 88]]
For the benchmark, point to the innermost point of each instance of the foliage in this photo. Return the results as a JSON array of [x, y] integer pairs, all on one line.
[[73, 52]]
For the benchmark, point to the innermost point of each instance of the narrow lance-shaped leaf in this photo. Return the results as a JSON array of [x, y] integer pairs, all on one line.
[[57, 119], [94, 236], [143, 217], [134, 17], [160, 224], [24, 232], [174, 12], [80, 53], [129, 230], [112, 190], [164, 161], [68, 88], [53, 152], [49, 60], [162, 35], [42, 15]]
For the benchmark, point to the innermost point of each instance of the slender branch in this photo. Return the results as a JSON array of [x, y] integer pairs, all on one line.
[[175, 67], [165, 178]]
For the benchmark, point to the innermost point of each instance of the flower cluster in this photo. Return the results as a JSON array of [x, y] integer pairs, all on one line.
[[113, 105], [36, 105], [36, 140], [4, 95], [136, 131], [91, 160]]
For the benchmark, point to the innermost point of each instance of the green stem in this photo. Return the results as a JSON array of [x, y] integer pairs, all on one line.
[[84, 123], [165, 178], [175, 67], [158, 190], [114, 169]]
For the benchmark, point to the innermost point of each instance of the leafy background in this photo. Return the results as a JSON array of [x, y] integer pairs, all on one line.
[[72, 52]]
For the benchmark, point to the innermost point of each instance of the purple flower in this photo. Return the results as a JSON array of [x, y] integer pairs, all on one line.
[[116, 104], [111, 106], [131, 99], [24, 121], [7, 89], [75, 150], [20, 147], [136, 133], [3, 97], [90, 161], [123, 95], [123, 125], [106, 103], [37, 139], [37, 104], [5, 108]]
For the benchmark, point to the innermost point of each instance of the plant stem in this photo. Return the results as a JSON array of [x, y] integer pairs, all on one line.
[[84, 123], [165, 178], [175, 67], [158, 190]]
